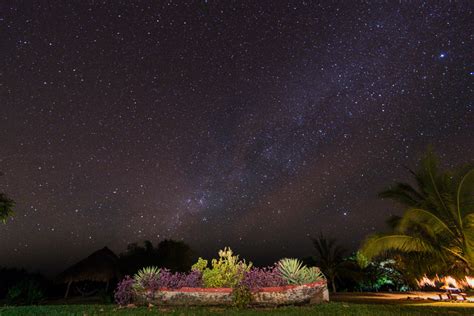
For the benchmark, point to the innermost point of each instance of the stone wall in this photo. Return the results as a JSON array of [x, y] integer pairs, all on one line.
[[313, 293]]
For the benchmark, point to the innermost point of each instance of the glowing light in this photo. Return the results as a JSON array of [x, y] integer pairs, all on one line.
[[447, 282]]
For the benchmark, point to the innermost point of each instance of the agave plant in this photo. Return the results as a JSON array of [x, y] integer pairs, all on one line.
[[311, 274], [290, 270], [146, 278], [294, 272]]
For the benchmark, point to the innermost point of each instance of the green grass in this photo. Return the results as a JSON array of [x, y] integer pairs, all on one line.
[[323, 309]]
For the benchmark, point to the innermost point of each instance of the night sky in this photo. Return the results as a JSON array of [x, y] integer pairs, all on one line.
[[250, 124]]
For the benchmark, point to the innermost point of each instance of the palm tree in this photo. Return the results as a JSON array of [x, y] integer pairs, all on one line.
[[329, 258], [6, 207], [437, 226]]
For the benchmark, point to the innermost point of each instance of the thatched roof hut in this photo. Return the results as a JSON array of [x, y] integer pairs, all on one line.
[[100, 266]]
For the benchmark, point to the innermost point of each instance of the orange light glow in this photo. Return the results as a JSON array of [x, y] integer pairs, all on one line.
[[447, 282]]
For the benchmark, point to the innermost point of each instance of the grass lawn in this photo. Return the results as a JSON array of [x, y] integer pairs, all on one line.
[[333, 308]]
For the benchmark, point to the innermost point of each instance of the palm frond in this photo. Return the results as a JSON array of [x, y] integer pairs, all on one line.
[[403, 193], [378, 244], [465, 195], [431, 220]]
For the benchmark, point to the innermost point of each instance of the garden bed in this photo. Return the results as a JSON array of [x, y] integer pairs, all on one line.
[[311, 293]]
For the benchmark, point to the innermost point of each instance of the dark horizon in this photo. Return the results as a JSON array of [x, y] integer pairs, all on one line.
[[240, 124]]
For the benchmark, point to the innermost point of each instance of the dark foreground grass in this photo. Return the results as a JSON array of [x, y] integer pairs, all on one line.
[[323, 309]]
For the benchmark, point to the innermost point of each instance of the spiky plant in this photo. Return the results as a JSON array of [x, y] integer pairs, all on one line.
[[311, 274], [294, 272], [290, 270], [146, 277]]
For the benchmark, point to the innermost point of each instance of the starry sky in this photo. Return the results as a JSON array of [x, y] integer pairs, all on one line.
[[252, 124]]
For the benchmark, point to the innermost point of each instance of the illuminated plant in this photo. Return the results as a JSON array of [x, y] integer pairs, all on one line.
[[124, 293], [226, 271], [147, 278], [200, 265], [294, 272], [241, 296], [311, 274], [257, 278], [290, 270]]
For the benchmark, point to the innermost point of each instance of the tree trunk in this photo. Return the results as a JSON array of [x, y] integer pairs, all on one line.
[[67, 289], [333, 284]]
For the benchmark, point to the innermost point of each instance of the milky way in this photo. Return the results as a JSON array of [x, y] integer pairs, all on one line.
[[251, 124]]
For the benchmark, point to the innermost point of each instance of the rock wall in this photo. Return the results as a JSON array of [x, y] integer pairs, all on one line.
[[313, 293]]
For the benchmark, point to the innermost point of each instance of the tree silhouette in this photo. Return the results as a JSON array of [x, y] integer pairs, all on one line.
[[329, 258], [170, 254]]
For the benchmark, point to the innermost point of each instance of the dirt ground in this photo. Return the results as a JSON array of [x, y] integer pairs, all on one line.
[[397, 298]]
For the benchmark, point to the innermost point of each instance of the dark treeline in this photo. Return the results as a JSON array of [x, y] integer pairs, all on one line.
[[18, 286], [170, 254]]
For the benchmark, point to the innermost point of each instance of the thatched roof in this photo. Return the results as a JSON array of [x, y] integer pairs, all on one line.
[[101, 266]]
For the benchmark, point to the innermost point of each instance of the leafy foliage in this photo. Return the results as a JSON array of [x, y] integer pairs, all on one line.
[[27, 292], [382, 275], [170, 280], [200, 265], [124, 293], [152, 279], [294, 272], [435, 235], [226, 271], [256, 278], [241, 296]]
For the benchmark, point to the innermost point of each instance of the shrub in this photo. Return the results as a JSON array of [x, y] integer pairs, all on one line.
[[151, 279], [257, 278], [200, 265], [27, 291], [124, 293], [227, 271], [241, 296], [294, 272], [178, 280]]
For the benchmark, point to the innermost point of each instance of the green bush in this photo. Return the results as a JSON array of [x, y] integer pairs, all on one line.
[[200, 265], [226, 271], [241, 296]]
